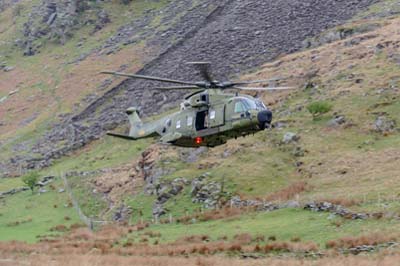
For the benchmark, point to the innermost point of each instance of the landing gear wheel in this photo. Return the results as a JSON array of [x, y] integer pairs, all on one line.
[[267, 126]]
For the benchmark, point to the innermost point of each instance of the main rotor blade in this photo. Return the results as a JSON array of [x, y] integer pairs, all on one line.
[[178, 88], [264, 89], [204, 68], [256, 81], [148, 78]]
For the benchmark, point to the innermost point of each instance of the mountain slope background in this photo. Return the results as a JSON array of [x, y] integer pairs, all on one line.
[[55, 108], [234, 30]]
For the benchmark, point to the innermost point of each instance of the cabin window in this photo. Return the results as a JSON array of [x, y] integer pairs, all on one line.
[[204, 98], [168, 123], [189, 121], [239, 107], [178, 124], [212, 114]]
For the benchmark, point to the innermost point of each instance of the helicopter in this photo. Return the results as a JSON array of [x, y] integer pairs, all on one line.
[[208, 116]]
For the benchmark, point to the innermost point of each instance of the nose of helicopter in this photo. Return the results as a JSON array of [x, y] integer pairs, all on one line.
[[264, 118]]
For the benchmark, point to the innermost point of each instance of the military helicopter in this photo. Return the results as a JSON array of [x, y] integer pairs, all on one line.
[[208, 116]]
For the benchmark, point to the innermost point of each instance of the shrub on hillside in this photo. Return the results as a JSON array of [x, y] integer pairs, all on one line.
[[31, 180], [319, 108]]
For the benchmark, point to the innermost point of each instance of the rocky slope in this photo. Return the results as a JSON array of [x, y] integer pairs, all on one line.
[[244, 33], [312, 186]]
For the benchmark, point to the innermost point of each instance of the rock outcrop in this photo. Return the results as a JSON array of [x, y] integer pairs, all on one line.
[[12, 191], [57, 20], [338, 210], [384, 124]]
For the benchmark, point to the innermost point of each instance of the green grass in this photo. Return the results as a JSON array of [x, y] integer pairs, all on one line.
[[26, 134], [141, 205], [283, 224], [10, 183], [182, 205], [92, 204], [259, 168], [104, 153], [376, 204], [255, 170], [266, 170], [36, 214], [382, 7], [107, 152]]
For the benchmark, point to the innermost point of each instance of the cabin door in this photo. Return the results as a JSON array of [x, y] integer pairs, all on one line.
[[202, 120]]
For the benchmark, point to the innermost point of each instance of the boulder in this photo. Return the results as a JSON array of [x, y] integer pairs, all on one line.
[[45, 181], [8, 68], [290, 137], [122, 213], [237, 202], [336, 210], [298, 151], [12, 191], [102, 19], [384, 124], [163, 198], [337, 121], [158, 210], [165, 191], [175, 190], [205, 192], [360, 249], [42, 190]]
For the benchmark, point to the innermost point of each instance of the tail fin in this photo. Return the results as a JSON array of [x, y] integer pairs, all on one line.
[[138, 130], [134, 120]]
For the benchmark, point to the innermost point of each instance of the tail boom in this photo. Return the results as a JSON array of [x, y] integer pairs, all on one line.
[[116, 135], [138, 130]]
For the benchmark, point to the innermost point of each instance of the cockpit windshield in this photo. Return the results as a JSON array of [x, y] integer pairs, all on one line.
[[244, 104], [253, 104]]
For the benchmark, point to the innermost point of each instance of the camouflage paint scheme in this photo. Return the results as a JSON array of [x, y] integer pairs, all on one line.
[[207, 118]]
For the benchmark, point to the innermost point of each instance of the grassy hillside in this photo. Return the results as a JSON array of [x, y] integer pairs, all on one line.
[[50, 83], [344, 156]]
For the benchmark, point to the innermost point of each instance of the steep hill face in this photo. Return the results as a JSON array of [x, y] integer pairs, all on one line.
[[322, 184], [244, 34]]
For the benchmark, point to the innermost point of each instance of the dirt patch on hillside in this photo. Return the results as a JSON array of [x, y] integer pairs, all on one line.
[[116, 183], [119, 182]]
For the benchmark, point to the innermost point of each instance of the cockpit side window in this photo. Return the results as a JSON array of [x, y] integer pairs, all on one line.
[[239, 107], [260, 105]]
